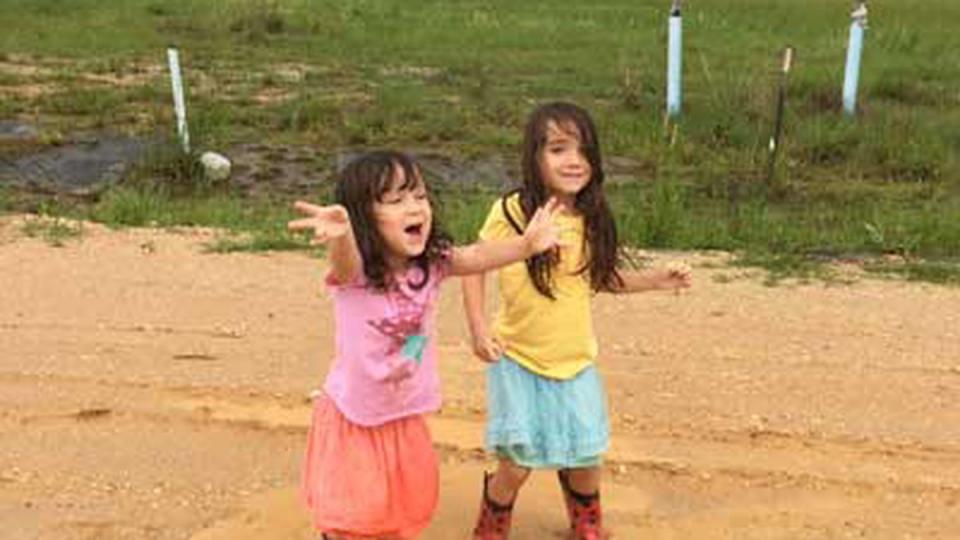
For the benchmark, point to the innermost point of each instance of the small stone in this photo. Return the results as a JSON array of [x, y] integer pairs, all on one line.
[[216, 167]]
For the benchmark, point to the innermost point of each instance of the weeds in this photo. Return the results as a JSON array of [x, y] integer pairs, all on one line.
[[52, 226], [257, 19], [942, 272], [258, 241]]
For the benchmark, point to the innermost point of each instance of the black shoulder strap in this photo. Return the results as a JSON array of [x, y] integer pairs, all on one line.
[[506, 211]]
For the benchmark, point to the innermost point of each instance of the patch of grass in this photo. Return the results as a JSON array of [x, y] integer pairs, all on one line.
[[152, 205], [312, 114], [665, 213], [894, 240], [9, 79], [6, 199], [133, 207], [81, 102], [461, 210], [251, 225], [167, 170], [159, 9], [258, 19], [257, 241], [941, 272], [781, 267], [54, 230]]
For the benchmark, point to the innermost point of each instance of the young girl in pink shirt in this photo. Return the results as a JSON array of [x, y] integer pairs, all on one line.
[[370, 470]]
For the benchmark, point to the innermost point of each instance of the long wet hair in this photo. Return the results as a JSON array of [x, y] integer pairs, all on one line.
[[602, 252], [362, 183]]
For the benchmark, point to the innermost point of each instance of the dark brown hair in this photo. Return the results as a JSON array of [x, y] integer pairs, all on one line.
[[602, 253], [363, 182]]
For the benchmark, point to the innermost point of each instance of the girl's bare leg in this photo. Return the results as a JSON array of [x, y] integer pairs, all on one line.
[[496, 506], [507, 481], [586, 480]]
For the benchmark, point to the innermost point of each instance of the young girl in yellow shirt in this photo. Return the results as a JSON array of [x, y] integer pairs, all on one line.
[[546, 403]]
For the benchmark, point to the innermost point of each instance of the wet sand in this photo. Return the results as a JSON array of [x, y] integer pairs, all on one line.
[[149, 389]]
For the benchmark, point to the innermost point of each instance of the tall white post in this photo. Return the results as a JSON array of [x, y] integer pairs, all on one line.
[[675, 61], [179, 103], [858, 26]]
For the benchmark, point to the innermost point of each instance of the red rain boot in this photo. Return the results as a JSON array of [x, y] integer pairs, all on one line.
[[586, 518], [494, 520]]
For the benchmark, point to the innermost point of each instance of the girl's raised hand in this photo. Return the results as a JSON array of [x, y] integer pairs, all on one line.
[[326, 222], [542, 233]]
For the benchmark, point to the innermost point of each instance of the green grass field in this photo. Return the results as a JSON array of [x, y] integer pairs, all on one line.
[[459, 77]]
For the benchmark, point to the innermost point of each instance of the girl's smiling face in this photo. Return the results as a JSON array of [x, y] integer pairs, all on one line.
[[404, 216], [564, 167]]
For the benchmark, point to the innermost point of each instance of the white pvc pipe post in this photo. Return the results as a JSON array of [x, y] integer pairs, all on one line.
[[858, 26], [179, 104], [675, 61]]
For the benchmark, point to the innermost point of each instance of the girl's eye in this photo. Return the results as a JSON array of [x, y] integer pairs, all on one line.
[[421, 196]]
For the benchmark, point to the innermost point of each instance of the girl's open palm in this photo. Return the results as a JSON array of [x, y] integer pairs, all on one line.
[[542, 233], [326, 222]]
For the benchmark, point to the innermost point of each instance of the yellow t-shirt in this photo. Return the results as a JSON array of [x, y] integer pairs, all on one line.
[[553, 338]]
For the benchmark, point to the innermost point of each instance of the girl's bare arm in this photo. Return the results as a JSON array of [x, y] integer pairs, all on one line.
[[485, 346], [540, 235], [675, 276], [331, 226]]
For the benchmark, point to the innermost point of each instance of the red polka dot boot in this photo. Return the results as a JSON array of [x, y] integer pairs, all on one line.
[[586, 518], [494, 520]]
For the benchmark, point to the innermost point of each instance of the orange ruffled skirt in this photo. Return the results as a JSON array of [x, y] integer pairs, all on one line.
[[379, 481]]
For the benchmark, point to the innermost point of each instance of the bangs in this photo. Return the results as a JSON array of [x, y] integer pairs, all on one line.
[[571, 125], [412, 179]]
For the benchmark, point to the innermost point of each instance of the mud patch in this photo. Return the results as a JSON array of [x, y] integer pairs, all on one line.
[[83, 167]]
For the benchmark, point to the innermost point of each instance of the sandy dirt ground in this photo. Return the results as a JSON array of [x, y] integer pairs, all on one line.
[[149, 389]]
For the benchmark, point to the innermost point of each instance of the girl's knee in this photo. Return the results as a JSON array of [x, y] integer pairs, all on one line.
[[583, 480], [515, 474], [584, 472]]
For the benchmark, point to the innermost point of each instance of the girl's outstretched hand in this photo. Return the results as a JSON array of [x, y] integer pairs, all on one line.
[[326, 222], [542, 233], [674, 276]]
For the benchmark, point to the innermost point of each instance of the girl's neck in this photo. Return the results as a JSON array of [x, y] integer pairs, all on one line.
[[397, 264], [568, 203]]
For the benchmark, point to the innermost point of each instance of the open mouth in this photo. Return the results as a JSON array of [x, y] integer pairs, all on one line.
[[414, 230]]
